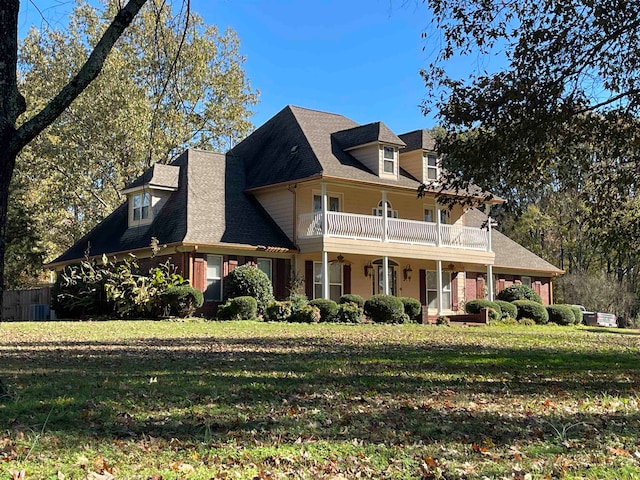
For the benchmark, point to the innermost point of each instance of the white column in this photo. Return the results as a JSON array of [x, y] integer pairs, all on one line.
[[385, 274], [438, 241], [489, 248], [490, 281], [324, 209], [325, 274], [384, 216], [439, 285]]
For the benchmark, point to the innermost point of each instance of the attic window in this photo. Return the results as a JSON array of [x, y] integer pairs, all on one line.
[[431, 166], [389, 159], [141, 203]]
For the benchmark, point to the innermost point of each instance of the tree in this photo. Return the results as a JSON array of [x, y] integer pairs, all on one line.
[[165, 87], [555, 117], [15, 133]]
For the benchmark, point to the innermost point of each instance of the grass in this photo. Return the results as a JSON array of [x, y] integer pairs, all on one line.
[[195, 400]]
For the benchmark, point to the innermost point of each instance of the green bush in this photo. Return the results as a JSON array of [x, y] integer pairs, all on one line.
[[182, 300], [328, 308], [526, 321], [474, 306], [250, 281], [561, 314], [279, 311], [351, 298], [506, 321], [298, 300], [238, 308], [348, 313], [384, 309], [443, 321], [533, 310], [509, 310], [412, 307], [306, 314], [518, 292], [79, 291], [577, 314]]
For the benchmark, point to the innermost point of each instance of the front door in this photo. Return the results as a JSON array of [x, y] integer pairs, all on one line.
[[378, 280]]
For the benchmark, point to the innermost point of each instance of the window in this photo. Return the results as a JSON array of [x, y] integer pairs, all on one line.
[[141, 203], [389, 159], [265, 265], [214, 278], [429, 215], [333, 203], [432, 290], [335, 280], [391, 213], [444, 215], [430, 166], [526, 281]]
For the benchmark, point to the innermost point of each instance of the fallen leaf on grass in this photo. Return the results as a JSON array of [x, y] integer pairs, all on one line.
[[619, 452], [18, 474]]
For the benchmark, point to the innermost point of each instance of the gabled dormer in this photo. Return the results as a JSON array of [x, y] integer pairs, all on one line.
[[374, 145], [147, 194], [419, 157]]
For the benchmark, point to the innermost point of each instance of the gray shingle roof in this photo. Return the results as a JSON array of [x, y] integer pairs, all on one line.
[[510, 254], [159, 175], [365, 134], [418, 140]]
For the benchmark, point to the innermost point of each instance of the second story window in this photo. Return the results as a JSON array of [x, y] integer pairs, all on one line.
[[391, 213], [431, 166], [141, 205], [389, 159]]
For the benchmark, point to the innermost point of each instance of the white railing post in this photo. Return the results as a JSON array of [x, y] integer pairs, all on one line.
[[385, 222], [325, 274], [490, 281], [438, 232], [385, 274], [325, 225], [439, 285], [489, 234]]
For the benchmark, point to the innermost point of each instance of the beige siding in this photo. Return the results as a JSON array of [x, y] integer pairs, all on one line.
[[279, 206], [412, 162], [370, 156]]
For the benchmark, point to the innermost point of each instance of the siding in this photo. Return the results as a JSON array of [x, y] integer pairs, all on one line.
[[279, 206], [412, 162], [369, 156]]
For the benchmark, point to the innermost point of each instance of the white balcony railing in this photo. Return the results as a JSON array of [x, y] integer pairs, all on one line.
[[369, 227]]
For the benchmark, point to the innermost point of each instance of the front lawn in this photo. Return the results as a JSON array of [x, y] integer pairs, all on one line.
[[196, 400]]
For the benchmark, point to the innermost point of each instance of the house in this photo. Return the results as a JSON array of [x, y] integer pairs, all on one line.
[[316, 197]]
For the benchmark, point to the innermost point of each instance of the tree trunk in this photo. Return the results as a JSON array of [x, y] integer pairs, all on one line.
[[7, 163]]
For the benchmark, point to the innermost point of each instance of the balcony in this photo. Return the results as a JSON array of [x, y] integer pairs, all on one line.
[[369, 227]]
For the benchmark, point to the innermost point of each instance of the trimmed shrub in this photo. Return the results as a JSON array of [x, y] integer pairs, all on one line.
[[306, 314], [348, 313], [384, 309], [526, 321], [577, 314], [328, 308], [561, 314], [239, 308], [250, 281], [533, 310], [474, 306], [279, 311], [509, 310], [298, 300], [443, 321], [182, 300], [351, 298], [412, 308], [518, 292], [506, 321]]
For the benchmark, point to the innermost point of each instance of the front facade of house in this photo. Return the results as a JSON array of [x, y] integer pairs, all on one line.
[[322, 204]]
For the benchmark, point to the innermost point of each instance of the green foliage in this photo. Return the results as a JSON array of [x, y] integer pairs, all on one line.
[[384, 309], [348, 312], [147, 105], [298, 300], [306, 314], [474, 306], [238, 308], [518, 292], [182, 300], [443, 321], [533, 310], [248, 280], [279, 311], [527, 321], [352, 298], [561, 314], [328, 308], [412, 307], [79, 291], [577, 314], [508, 309]]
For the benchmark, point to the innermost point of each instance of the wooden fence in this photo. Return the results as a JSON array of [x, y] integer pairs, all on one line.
[[26, 305]]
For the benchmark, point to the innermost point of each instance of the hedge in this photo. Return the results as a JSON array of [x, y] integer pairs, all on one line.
[[328, 308], [509, 310], [384, 309], [532, 310], [238, 308], [561, 314], [182, 300], [306, 314], [474, 306], [279, 311], [577, 314], [518, 292], [348, 313], [412, 307], [249, 280], [351, 298]]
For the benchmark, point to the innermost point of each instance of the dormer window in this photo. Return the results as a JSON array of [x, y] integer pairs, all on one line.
[[431, 166], [141, 206], [389, 159]]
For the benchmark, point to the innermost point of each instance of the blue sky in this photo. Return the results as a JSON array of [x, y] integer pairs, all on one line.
[[359, 58]]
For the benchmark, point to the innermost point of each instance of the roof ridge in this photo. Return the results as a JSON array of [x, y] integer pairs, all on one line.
[[317, 111]]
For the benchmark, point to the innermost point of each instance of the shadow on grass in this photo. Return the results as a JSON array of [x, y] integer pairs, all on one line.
[[258, 389]]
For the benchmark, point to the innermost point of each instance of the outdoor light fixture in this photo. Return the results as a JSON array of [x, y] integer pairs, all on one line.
[[368, 268], [407, 272]]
